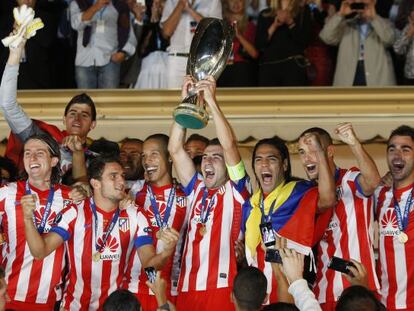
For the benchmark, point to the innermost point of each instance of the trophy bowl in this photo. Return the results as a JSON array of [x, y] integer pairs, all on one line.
[[210, 48]]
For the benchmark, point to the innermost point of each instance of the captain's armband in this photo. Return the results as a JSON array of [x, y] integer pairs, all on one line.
[[237, 171]]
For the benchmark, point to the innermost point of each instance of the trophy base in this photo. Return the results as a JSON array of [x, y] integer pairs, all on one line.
[[190, 116]]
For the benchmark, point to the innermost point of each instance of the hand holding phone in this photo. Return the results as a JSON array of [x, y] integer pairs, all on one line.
[[151, 274], [341, 265], [272, 255]]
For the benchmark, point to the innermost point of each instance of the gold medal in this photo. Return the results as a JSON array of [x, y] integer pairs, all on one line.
[[203, 230], [403, 237], [96, 257]]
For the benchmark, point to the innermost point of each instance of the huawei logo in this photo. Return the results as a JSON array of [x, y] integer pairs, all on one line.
[[111, 244], [389, 220], [39, 214]]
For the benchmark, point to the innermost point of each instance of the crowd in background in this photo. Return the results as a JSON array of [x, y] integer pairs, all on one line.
[[145, 44]]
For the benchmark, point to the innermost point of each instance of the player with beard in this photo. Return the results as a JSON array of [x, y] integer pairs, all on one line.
[[283, 205], [33, 284], [394, 209], [130, 156], [99, 238], [209, 260], [349, 232], [165, 205]]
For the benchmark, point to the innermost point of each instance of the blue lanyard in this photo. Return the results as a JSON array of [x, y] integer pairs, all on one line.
[[266, 218], [110, 228], [205, 212], [48, 208], [402, 220], [162, 223]]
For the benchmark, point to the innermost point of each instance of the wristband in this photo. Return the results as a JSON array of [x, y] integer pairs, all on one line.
[[237, 171]]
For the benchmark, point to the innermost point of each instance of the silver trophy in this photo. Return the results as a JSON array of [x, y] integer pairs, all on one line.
[[210, 48]]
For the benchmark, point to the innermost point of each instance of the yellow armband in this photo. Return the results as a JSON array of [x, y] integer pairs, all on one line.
[[237, 171]]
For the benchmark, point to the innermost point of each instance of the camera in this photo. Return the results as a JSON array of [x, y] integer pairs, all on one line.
[[272, 255], [358, 6], [341, 265]]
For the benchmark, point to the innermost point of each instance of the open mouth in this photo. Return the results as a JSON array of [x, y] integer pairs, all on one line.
[[34, 166], [150, 170], [267, 177], [398, 166], [311, 168], [209, 173]]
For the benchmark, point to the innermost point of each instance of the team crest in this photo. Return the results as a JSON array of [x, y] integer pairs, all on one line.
[[338, 193], [123, 224], [181, 201]]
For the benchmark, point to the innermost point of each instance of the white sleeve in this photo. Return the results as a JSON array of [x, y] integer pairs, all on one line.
[[303, 296]]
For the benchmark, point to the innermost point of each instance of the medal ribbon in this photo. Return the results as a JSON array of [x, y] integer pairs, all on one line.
[[48, 208], [109, 228], [402, 220], [268, 217], [162, 223], [205, 212]]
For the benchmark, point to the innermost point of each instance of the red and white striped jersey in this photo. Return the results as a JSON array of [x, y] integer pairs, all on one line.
[[91, 282], [28, 280], [209, 260], [136, 277], [396, 260], [349, 235]]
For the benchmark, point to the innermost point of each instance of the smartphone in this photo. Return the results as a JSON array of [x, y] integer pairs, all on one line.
[[358, 6], [340, 265], [272, 255], [151, 274], [268, 236]]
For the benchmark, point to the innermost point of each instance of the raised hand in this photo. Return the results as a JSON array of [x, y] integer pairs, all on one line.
[[292, 263], [80, 191], [28, 203], [207, 90], [346, 133], [73, 143], [345, 8]]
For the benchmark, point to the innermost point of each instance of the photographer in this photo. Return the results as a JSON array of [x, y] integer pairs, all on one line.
[[363, 38]]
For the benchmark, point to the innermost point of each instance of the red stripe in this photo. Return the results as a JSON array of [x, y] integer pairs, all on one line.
[[88, 252]]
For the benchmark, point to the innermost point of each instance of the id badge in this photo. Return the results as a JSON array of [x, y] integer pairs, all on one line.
[[268, 236], [100, 26]]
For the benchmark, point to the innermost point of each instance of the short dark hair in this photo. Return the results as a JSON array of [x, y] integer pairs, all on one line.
[[358, 298], [280, 145], [249, 288], [403, 130], [121, 300], [163, 140], [323, 135], [97, 166], [9, 166], [131, 140], [105, 147], [54, 151], [197, 137], [214, 142], [83, 99]]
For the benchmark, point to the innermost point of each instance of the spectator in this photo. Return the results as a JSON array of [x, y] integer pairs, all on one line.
[[179, 21], [131, 67], [105, 40], [8, 171], [38, 61], [241, 67], [318, 53], [363, 38], [153, 52], [359, 297], [283, 32], [121, 300], [249, 289], [404, 46]]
